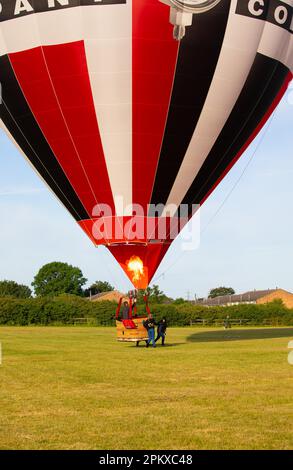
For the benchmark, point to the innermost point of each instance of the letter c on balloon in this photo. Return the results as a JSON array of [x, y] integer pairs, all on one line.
[[252, 6]]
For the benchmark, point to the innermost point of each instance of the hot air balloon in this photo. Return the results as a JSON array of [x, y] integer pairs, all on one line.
[[128, 108]]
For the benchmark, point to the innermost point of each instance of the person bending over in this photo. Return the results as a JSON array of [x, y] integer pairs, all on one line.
[[161, 330]]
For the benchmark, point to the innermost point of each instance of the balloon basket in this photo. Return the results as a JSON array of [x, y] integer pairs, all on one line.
[[131, 330]]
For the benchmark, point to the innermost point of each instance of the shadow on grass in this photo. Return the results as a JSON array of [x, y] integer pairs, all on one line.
[[159, 345], [240, 335]]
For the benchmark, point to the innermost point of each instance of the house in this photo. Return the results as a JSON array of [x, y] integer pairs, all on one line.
[[251, 297], [277, 294]]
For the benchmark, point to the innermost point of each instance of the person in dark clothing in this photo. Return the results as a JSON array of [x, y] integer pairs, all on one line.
[[161, 330], [125, 311], [149, 325]]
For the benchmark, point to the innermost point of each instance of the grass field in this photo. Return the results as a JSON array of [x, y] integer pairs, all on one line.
[[77, 388]]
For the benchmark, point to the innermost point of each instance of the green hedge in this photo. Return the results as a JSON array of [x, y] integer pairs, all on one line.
[[184, 314], [65, 309], [68, 309]]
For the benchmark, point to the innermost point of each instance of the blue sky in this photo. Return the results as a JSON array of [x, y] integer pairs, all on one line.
[[248, 244]]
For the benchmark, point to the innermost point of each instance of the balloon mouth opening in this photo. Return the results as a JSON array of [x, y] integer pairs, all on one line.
[[136, 243], [126, 243]]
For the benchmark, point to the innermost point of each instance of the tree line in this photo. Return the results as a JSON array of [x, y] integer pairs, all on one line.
[[58, 278], [54, 279], [62, 278]]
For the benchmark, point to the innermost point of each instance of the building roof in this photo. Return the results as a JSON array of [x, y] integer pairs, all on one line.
[[251, 296], [112, 296]]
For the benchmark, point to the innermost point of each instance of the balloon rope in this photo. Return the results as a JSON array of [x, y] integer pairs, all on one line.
[[113, 277], [228, 195], [241, 175]]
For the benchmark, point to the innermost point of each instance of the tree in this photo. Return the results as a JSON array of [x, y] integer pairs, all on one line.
[[13, 289], [58, 278], [179, 301], [221, 291], [155, 295], [98, 287]]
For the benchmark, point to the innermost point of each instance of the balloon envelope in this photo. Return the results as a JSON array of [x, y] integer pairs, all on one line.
[[115, 114]]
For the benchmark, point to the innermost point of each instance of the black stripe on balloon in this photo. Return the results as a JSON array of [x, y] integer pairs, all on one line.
[[10, 10], [262, 86], [17, 117], [197, 60]]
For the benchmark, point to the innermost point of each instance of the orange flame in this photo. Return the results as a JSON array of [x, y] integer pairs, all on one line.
[[135, 267]]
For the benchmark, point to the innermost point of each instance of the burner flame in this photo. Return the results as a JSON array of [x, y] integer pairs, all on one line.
[[135, 267]]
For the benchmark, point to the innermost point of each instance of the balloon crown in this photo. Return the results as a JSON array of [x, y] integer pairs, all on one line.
[[195, 6]]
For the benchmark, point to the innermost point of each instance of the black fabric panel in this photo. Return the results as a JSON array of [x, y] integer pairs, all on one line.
[[198, 56], [9, 12], [260, 90], [17, 117]]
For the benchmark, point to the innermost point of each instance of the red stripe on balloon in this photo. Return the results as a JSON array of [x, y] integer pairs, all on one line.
[[56, 85], [154, 63]]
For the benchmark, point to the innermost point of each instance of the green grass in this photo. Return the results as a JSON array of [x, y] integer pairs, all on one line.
[[77, 388]]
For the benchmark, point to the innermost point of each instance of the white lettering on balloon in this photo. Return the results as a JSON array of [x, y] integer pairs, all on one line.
[[254, 7], [281, 15], [21, 6], [52, 3]]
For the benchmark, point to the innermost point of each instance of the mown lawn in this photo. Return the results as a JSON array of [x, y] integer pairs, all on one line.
[[77, 388]]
